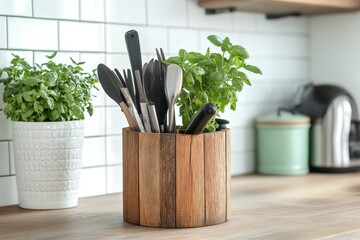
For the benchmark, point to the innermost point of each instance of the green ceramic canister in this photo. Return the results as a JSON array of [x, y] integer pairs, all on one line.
[[283, 143]]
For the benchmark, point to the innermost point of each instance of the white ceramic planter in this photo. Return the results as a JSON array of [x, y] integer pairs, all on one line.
[[48, 163]]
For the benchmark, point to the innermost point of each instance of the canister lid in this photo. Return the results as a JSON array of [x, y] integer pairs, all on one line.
[[283, 118]]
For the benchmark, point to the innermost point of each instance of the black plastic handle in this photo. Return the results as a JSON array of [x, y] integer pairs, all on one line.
[[201, 118], [133, 46]]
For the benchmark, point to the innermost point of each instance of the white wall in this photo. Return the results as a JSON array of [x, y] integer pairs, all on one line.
[[93, 31], [335, 51]]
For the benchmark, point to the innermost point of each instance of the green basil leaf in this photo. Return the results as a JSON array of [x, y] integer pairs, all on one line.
[[50, 102], [253, 69], [217, 41], [194, 57], [238, 50], [52, 55], [31, 81], [77, 111]]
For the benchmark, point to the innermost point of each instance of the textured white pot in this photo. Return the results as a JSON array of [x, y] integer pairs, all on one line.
[[48, 163]]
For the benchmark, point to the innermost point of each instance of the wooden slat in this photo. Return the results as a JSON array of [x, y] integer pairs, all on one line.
[[215, 178], [130, 176], [228, 172], [167, 180], [149, 179], [190, 211]]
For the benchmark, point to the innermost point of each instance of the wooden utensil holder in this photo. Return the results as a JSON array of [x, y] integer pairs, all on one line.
[[176, 180]]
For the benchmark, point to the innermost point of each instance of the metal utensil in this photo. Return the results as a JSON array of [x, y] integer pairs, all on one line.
[[112, 88], [134, 52], [201, 119], [143, 103], [173, 84]]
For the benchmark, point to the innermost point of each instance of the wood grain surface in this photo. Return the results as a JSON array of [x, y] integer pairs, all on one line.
[[215, 178], [167, 180], [149, 179], [131, 176], [190, 201], [314, 206], [228, 173]]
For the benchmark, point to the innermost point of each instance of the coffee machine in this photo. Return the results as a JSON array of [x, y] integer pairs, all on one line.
[[335, 127]]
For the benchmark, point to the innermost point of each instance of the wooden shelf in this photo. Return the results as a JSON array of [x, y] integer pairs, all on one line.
[[305, 7], [314, 206]]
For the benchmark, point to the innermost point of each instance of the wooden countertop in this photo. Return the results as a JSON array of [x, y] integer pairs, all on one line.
[[315, 206]]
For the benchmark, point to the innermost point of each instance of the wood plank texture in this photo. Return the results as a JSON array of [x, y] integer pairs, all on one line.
[[190, 205], [306, 7], [228, 173], [130, 176], [149, 179], [167, 180], [215, 178]]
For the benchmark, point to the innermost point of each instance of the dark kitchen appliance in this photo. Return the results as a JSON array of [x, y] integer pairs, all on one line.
[[335, 128]]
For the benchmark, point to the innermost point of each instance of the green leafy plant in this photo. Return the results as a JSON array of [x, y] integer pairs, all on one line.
[[213, 78], [46, 92]]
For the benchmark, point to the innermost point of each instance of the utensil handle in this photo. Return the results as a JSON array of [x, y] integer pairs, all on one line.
[[145, 116], [134, 52], [132, 110], [171, 126], [200, 119], [153, 118], [128, 116]]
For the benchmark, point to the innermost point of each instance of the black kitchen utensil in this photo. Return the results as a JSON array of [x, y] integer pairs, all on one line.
[[129, 84], [112, 86], [134, 52], [222, 123], [158, 87], [200, 119], [118, 74]]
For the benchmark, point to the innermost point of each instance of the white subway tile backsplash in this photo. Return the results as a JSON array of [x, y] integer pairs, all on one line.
[[124, 11], [3, 29], [283, 25], [8, 188], [4, 159], [94, 152], [80, 36], [152, 38], [119, 61], [167, 12], [95, 125], [115, 38], [198, 18], [114, 179], [59, 9], [115, 120], [242, 139], [25, 33], [276, 45], [92, 181], [12, 158], [16, 7], [243, 162], [245, 21], [92, 10], [183, 38], [5, 127], [114, 150]]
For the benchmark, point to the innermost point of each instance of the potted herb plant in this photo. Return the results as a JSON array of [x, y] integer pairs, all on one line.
[[213, 77], [47, 103]]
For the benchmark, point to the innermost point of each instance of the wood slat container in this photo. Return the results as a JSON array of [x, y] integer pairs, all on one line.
[[176, 180]]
